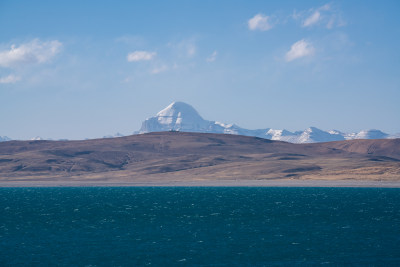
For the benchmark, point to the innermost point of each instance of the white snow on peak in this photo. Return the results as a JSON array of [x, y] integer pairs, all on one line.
[[278, 133], [313, 134], [179, 116], [393, 136], [223, 124], [37, 138], [335, 132], [4, 139], [179, 109], [371, 134]]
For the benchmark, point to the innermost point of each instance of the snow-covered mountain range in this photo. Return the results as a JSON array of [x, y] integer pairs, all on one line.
[[179, 116]]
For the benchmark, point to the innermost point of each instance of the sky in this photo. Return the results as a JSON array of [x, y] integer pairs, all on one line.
[[85, 69]]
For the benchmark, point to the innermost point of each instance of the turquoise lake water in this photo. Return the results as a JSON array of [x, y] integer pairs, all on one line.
[[201, 226]]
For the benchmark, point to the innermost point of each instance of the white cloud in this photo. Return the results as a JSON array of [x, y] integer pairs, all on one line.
[[312, 19], [259, 22], [9, 79], [324, 15], [299, 49], [212, 57], [140, 56], [159, 69], [29, 53]]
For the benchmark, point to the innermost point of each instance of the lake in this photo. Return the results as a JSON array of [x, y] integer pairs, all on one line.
[[218, 226]]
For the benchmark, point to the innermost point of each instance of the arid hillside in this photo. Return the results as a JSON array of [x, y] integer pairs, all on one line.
[[178, 156]]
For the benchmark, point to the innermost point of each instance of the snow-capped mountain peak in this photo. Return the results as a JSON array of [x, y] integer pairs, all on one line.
[[179, 116], [313, 134], [371, 134], [178, 111]]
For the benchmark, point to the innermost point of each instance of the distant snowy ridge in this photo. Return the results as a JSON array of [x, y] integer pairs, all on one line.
[[36, 138], [113, 135], [393, 136], [179, 116], [4, 138]]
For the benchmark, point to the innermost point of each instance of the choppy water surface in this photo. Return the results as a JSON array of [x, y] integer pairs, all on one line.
[[199, 226]]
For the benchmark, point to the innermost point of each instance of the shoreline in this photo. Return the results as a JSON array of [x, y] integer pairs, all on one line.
[[213, 183]]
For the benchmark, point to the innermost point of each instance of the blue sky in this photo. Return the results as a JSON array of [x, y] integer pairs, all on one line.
[[85, 69]]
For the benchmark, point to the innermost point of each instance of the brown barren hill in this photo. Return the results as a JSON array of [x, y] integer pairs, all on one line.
[[178, 156], [376, 147]]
